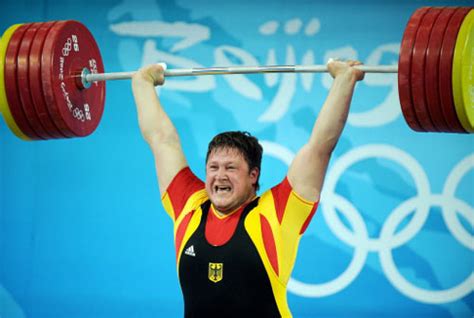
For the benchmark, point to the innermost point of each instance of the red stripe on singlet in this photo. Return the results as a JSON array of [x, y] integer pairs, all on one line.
[[269, 242], [184, 184], [280, 193], [308, 219], [181, 231]]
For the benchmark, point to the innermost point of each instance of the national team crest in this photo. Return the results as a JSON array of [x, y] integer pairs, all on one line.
[[216, 272]]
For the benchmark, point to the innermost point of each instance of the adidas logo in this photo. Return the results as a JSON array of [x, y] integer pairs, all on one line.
[[190, 251]]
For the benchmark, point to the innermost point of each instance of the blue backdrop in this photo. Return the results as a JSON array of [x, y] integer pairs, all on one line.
[[82, 230]]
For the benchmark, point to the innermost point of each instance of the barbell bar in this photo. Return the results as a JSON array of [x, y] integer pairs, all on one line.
[[53, 81], [87, 77]]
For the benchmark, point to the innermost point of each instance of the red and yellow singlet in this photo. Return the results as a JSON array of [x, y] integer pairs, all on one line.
[[238, 265]]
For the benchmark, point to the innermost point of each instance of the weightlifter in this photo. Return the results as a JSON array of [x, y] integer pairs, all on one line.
[[235, 250]]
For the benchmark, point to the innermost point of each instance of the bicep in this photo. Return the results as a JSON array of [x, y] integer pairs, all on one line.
[[307, 171], [169, 160]]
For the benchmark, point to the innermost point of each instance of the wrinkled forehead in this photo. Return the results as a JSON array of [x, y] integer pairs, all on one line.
[[225, 153]]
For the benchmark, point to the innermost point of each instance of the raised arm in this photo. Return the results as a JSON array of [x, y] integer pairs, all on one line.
[[156, 127], [307, 171]]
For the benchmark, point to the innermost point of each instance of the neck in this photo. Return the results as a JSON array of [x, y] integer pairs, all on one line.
[[230, 212]]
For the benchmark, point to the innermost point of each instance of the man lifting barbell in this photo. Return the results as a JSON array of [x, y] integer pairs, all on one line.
[[235, 251]]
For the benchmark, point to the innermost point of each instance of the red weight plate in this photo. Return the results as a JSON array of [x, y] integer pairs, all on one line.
[[431, 70], [417, 74], [11, 87], [404, 69], [23, 83], [35, 83], [68, 49], [445, 70]]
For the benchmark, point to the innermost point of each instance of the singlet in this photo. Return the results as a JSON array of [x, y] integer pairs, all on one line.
[[247, 275]]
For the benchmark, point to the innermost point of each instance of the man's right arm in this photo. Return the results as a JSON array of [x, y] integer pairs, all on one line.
[[156, 127]]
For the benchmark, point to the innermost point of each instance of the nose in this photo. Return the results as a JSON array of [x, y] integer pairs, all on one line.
[[221, 174]]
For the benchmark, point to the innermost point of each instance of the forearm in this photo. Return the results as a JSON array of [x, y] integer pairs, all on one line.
[[333, 115], [155, 125], [307, 171]]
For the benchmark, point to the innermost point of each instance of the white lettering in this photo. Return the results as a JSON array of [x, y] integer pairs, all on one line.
[[75, 43], [69, 104]]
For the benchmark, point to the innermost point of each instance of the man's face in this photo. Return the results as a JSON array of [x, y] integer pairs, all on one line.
[[229, 183]]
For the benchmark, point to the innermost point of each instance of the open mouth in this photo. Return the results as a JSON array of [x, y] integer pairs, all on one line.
[[222, 189]]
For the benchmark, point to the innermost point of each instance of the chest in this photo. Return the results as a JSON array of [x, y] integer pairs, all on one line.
[[220, 242]]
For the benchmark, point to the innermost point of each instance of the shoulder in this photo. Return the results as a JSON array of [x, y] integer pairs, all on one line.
[[185, 192]]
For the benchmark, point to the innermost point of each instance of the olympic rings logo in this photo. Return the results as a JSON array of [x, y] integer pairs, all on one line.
[[390, 236], [67, 47], [78, 114]]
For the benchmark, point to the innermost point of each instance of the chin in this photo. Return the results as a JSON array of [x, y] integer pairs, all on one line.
[[221, 206]]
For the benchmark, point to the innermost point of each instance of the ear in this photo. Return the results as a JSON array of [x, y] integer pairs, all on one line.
[[254, 173]]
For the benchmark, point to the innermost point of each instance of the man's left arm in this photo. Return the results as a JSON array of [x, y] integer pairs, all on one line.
[[307, 171]]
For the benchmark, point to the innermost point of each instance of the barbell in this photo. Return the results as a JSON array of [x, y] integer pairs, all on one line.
[[52, 80]]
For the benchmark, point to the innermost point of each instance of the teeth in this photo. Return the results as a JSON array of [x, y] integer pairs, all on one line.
[[218, 188]]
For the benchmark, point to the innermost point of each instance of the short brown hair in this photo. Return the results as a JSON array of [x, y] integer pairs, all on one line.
[[245, 143]]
